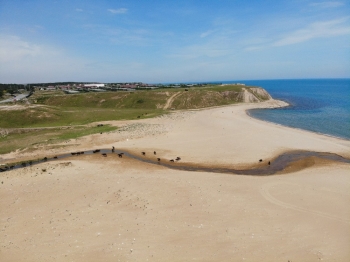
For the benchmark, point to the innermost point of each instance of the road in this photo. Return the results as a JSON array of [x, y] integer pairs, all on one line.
[[14, 99]]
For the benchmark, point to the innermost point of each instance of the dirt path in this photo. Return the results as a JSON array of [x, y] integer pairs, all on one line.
[[171, 100]]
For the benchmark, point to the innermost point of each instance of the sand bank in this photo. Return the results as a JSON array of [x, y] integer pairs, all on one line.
[[93, 208]]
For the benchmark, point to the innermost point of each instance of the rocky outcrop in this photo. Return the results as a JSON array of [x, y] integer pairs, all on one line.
[[253, 95]]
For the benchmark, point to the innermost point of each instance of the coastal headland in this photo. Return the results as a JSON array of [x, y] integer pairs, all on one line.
[[92, 207]]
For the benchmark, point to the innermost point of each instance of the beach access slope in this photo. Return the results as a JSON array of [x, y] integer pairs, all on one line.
[[89, 208]]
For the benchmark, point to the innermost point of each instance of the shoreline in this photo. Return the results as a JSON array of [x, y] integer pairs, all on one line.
[[298, 128]]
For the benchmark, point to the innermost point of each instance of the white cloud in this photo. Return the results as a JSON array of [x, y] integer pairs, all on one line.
[[79, 10], [324, 29], [118, 11], [327, 4]]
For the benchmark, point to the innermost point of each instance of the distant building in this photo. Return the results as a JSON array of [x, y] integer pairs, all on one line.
[[94, 85]]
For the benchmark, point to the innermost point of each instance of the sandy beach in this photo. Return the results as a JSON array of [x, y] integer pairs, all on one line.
[[95, 208]]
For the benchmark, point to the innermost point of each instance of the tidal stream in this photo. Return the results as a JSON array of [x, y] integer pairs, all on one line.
[[263, 168]]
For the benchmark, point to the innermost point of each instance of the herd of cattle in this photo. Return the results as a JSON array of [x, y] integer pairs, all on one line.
[[120, 155]]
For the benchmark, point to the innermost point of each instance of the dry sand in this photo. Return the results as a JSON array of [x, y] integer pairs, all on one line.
[[92, 208]]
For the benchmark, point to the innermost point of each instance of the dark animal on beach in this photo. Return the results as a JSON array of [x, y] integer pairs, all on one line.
[[121, 155], [82, 152], [113, 149], [143, 153], [73, 154], [260, 160], [96, 151], [269, 163], [171, 160], [23, 164], [104, 154], [45, 158], [100, 125], [158, 159], [55, 157], [78, 153], [178, 158], [154, 152]]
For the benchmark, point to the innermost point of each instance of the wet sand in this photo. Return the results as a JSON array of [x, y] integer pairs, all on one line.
[[91, 207]]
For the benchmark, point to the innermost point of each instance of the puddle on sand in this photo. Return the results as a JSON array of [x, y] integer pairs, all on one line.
[[279, 164]]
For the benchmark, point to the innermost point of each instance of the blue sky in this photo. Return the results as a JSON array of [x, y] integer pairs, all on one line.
[[157, 41]]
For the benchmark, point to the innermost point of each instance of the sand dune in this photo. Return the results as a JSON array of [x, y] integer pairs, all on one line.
[[94, 208]]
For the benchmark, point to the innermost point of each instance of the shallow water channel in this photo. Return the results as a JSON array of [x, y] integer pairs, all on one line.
[[264, 168]]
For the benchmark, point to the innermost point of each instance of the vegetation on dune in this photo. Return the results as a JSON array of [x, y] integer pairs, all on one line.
[[200, 97], [68, 112], [27, 138], [59, 109], [64, 116]]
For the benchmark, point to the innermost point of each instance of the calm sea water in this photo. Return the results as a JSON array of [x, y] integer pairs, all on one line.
[[318, 105]]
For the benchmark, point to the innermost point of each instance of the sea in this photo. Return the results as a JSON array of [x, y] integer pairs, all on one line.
[[317, 105]]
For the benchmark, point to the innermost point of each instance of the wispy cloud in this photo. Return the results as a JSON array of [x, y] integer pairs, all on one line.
[[327, 4], [120, 35], [213, 48], [324, 29], [207, 33], [29, 61], [118, 11], [13, 48], [253, 48]]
